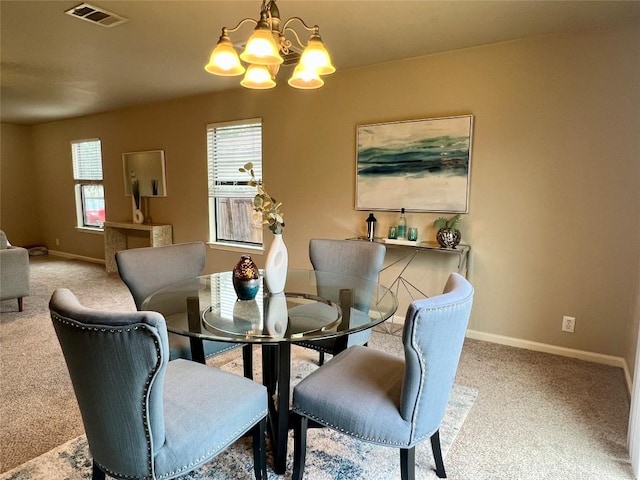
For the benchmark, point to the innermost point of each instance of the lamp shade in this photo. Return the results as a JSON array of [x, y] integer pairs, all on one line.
[[261, 49], [305, 78], [224, 60], [258, 77], [316, 57]]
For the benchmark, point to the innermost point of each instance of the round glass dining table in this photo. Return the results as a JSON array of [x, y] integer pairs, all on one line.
[[315, 305]]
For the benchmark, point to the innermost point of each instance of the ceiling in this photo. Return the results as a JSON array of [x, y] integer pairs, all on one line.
[[54, 66]]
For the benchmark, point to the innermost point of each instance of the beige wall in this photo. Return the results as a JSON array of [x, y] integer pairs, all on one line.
[[19, 216], [554, 218]]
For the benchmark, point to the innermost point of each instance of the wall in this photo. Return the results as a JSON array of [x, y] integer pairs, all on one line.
[[19, 217], [554, 218]]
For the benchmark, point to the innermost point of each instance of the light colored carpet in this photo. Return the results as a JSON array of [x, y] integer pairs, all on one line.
[[537, 416], [330, 455]]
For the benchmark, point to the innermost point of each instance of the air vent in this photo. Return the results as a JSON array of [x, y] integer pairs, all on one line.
[[96, 15]]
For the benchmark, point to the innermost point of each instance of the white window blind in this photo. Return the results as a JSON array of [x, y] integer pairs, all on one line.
[[87, 160], [86, 157], [230, 146]]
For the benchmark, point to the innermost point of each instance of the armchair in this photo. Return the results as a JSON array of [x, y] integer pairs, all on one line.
[[146, 417], [14, 272], [386, 400]]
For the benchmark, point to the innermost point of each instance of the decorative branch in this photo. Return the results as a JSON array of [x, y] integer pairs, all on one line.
[[265, 203], [135, 191]]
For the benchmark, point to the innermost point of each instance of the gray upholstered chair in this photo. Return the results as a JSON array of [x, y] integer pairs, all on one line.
[[355, 258], [146, 417], [145, 270], [387, 400], [14, 271]]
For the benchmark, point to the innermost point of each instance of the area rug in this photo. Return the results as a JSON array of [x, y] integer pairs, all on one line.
[[330, 455]]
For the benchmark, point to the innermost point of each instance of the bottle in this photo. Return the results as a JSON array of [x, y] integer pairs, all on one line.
[[371, 227], [402, 226]]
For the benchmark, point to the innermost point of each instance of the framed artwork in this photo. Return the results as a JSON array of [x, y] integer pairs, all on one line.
[[419, 165]]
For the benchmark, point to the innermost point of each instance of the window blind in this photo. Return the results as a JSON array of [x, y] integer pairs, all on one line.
[[229, 147], [87, 160]]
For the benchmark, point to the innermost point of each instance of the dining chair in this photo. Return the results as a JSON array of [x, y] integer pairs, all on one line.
[[387, 400], [148, 269], [144, 416], [354, 258]]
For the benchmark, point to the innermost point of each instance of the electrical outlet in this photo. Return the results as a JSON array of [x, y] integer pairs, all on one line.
[[57, 241], [568, 324]]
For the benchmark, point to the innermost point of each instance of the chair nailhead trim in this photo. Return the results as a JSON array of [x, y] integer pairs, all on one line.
[[216, 449], [145, 398], [347, 432]]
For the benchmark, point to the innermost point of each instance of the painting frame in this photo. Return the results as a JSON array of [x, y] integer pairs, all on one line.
[[421, 165]]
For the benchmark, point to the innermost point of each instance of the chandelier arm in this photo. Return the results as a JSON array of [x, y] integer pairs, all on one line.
[[286, 28], [315, 28], [286, 42], [227, 31]]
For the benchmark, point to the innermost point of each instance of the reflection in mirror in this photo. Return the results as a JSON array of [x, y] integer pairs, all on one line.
[[148, 168]]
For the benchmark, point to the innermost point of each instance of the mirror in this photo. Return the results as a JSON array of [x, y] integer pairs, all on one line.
[[148, 169]]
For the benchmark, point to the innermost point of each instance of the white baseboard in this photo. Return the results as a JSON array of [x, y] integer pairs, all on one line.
[[55, 253], [553, 349]]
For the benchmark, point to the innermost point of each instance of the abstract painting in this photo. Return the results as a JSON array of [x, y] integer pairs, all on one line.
[[419, 165]]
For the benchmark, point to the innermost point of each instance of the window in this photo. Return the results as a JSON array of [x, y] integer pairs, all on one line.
[[230, 146], [87, 174]]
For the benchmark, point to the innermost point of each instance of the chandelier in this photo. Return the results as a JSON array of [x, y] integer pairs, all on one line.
[[264, 51]]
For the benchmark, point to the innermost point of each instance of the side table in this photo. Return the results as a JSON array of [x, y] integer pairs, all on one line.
[[115, 238]]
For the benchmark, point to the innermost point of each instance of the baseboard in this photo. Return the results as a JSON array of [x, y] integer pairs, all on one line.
[[56, 253], [554, 349]]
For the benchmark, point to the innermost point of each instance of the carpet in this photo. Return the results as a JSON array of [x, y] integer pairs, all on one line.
[[330, 455]]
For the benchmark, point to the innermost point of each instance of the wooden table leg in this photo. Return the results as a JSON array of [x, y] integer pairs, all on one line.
[[282, 424], [276, 376], [193, 318]]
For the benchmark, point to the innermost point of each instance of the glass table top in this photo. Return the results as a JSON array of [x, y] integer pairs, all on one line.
[[314, 305]]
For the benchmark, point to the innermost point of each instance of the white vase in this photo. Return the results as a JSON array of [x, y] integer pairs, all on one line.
[[276, 315], [275, 267], [138, 216]]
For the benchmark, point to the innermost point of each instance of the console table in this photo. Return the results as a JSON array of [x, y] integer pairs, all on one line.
[[115, 238], [409, 251], [461, 250], [413, 248]]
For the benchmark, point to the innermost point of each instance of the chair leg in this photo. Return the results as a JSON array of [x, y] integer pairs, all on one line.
[[408, 463], [260, 449], [437, 454], [96, 473], [299, 446], [247, 361], [321, 360], [20, 304]]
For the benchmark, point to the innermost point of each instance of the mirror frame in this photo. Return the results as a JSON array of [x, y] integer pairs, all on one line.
[[146, 166]]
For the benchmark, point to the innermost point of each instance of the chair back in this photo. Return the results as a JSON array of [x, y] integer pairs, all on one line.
[[356, 258], [117, 363], [145, 270], [433, 335]]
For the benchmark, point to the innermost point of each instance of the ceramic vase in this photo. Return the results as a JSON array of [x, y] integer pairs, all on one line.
[[138, 216], [246, 278], [448, 237], [275, 268]]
